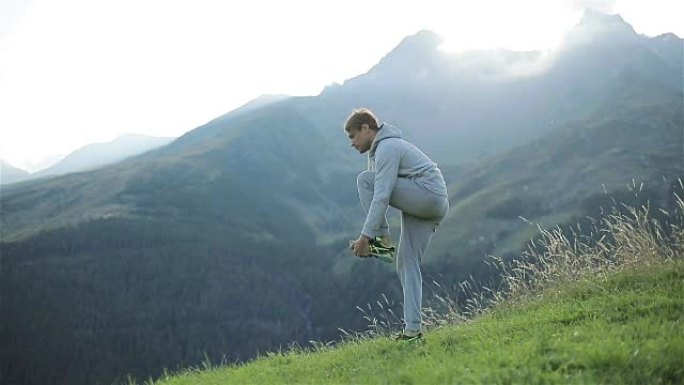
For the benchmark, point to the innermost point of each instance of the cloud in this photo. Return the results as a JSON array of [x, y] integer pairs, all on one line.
[[501, 65]]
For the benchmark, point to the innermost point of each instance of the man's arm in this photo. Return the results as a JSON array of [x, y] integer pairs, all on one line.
[[387, 158]]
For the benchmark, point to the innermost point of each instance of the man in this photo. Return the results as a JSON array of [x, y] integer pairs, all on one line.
[[405, 178]]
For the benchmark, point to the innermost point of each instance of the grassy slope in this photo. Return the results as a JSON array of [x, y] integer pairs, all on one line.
[[626, 328]]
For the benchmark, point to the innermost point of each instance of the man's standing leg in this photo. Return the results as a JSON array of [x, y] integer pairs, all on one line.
[[416, 234]]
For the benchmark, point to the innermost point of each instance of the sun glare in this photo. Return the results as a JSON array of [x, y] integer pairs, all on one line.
[[96, 70], [484, 26]]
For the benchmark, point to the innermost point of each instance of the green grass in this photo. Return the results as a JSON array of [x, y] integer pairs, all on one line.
[[625, 328]]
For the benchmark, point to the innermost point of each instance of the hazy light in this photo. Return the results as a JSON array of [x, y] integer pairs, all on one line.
[[519, 26], [74, 72]]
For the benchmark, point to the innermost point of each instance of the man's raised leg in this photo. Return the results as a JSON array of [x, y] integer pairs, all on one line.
[[366, 185]]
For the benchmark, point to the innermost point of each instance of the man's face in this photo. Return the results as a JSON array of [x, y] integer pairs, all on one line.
[[362, 139]]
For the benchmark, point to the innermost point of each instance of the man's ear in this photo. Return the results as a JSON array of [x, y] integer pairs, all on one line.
[[364, 126]]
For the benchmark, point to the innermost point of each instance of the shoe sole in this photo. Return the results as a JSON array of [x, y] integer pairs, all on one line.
[[385, 254]]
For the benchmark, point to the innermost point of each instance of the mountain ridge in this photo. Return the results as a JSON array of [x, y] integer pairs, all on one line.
[[100, 154]]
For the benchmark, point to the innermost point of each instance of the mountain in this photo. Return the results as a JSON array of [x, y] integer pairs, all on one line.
[[483, 102], [261, 101], [90, 157], [99, 154], [231, 240], [633, 137], [10, 174]]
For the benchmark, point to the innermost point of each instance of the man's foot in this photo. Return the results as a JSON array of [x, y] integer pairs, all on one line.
[[381, 250], [408, 335]]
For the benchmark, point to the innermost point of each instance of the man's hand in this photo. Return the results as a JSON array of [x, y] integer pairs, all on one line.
[[360, 246]]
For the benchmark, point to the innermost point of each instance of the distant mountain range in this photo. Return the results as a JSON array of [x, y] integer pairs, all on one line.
[[89, 157], [231, 240], [100, 154], [11, 174]]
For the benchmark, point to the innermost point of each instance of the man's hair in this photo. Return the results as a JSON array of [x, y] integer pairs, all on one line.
[[360, 117]]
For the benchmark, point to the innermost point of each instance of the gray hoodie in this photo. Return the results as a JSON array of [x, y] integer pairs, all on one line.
[[391, 157]]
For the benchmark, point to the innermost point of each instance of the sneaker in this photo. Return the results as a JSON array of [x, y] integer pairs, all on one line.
[[408, 337], [378, 249]]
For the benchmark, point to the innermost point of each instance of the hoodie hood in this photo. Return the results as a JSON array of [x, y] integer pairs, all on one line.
[[385, 131]]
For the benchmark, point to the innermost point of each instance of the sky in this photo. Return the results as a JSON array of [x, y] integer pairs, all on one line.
[[75, 72]]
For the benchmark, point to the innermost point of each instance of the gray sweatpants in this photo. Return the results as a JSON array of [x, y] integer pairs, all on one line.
[[421, 213]]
